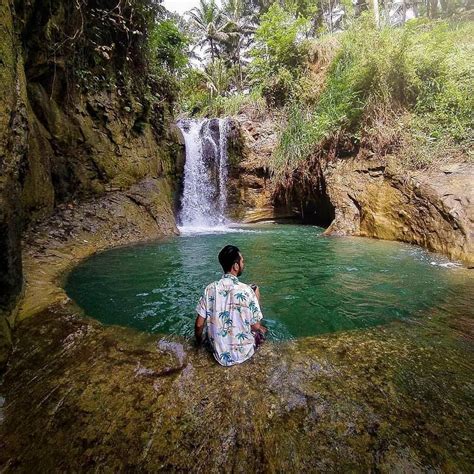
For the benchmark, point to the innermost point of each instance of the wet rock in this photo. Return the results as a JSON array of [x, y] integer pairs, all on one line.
[[355, 195], [144, 212], [250, 190], [427, 211], [13, 170], [173, 347], [111, 397]]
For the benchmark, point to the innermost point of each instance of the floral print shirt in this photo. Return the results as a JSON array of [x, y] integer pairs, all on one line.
[[230, 308]]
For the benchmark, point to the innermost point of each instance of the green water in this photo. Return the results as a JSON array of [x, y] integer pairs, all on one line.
[[310, 284]]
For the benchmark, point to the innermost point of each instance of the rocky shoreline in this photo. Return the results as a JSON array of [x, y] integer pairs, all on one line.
[[76, 231], [78, 395], [79, 229], [359, 196]]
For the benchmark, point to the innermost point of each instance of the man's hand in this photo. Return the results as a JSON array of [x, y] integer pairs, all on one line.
[[198, 329], [256, 290], [259, 327]]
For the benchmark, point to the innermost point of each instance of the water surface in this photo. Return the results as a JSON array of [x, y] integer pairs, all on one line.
[[310, 284]]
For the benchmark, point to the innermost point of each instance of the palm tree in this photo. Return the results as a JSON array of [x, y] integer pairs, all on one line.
[[240, 296], [218, 78], [224, 315], [226, 357], [207, 20], [239, 27], [241, 336]]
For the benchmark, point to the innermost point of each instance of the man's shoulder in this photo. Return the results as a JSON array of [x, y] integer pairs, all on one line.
[[211, 286], [244, 287], [229, 285]]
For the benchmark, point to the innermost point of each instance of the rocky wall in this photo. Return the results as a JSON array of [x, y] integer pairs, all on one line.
[[65, 142], [355, 195], [251, 142], [13, 153], [434, 209]]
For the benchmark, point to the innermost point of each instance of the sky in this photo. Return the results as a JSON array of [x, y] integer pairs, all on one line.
[[180, 6]]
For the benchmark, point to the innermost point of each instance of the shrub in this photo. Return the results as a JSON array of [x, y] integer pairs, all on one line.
[[279, 53], [235, 104], [424, 70]]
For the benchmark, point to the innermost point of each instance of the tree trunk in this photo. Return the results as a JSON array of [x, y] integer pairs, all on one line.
[[212, 50], [239, 67], [376, 13]]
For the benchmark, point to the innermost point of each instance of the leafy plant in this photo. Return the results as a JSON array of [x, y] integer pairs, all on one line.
[[168, 46], [424, 71], [279, 52]]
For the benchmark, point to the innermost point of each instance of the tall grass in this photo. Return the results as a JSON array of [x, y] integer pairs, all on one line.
[[234, 104], [425, 70]]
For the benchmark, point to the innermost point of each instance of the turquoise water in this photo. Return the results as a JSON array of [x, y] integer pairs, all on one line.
[[310, 284]]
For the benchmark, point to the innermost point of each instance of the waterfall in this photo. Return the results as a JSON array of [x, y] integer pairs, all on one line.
[[204, 199]]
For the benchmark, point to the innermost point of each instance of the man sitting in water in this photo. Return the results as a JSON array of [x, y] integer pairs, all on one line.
[[231, 313]]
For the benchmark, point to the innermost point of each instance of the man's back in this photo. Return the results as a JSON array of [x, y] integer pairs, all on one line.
[[230, 308]]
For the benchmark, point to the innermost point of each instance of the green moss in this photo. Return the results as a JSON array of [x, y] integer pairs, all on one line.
[[5, 340], [393, 398]]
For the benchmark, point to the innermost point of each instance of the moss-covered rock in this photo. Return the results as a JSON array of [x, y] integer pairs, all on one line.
[[13, 150], [394, 398], [75, 125]]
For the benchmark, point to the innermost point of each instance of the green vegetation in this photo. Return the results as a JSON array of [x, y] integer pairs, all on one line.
[[279, 54], [135, 48], [166, 50], [333, 75], [336, 78], [415, 80]]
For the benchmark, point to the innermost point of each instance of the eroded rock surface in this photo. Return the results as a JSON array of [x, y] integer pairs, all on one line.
[[359, 196], [80, 396], [432, 209], [13, 155], [70, 133], [79, 229], [252, 140]]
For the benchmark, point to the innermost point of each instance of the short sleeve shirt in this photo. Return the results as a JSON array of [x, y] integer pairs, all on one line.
[[230, 308]]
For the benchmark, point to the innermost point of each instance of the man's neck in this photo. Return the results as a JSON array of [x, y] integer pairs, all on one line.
[[233, 274]]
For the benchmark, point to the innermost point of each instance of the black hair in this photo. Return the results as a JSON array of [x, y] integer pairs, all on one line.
[[229, 255]]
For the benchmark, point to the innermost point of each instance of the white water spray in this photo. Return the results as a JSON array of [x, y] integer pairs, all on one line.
[[204, 199]]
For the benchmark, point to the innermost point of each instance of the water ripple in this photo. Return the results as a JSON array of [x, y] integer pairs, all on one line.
[[309, 285]]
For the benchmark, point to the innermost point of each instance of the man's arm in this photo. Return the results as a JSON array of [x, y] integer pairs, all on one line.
[[258, 326], [198, 328]]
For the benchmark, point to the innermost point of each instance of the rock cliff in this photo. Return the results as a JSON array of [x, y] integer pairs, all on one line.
[[432, 209], [360, 196], [76, 126]]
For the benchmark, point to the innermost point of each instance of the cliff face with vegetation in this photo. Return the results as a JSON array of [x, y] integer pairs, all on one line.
[[361, 196], [83, 119], [13, 145], [371, 137], [383, 149], [367, 131]]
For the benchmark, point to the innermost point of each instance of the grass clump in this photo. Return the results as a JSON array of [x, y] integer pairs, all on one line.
[[422, 72], [234, 104]]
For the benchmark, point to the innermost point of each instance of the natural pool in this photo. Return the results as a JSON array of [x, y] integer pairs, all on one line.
[[310, 284], [393, 394]]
